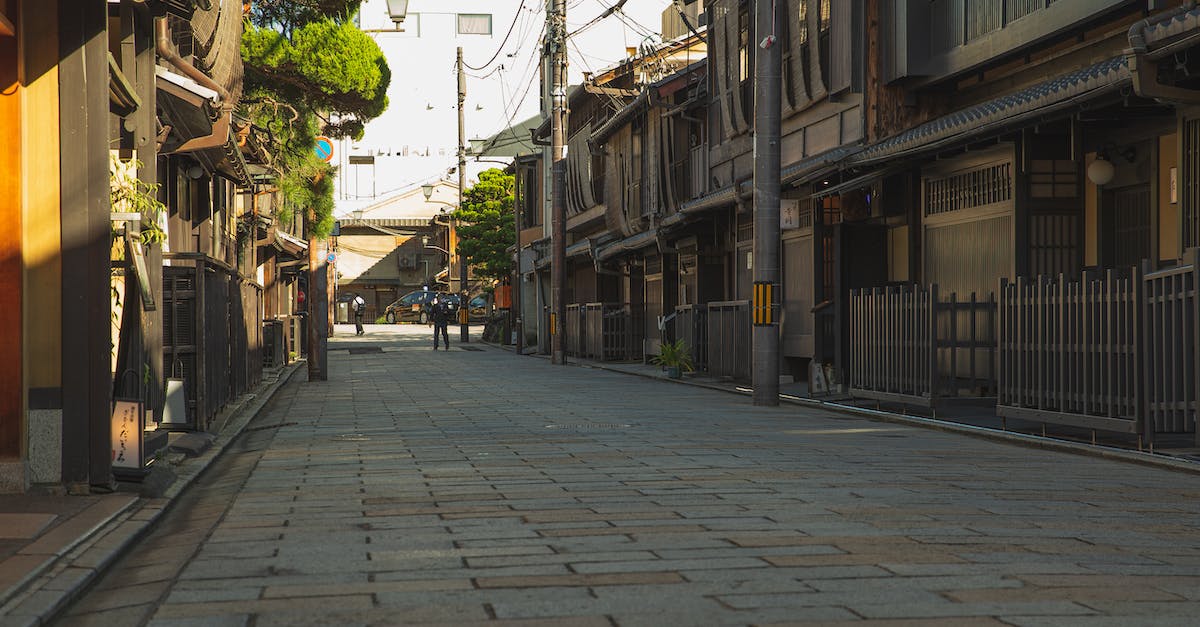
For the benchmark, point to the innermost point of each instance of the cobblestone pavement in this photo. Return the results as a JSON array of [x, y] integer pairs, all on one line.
[[462, 486]]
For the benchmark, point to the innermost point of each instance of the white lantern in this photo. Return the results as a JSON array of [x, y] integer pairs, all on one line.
[[1100, 171]]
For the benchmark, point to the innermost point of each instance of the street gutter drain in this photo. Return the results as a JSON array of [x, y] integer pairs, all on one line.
[[471, 348], [363, 350], [584, 426], [350, 437]]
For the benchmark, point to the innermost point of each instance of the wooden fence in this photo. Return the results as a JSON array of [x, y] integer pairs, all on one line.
[[1113, 352], [691, 326], [604, 331], [729, 334], [1070, 351], [907, 345], [212, 333], [1171, 363]]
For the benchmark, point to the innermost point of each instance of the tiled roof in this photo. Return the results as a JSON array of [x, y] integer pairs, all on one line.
[[1003, 112]]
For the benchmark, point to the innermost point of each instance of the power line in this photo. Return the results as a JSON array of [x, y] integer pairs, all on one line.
[[503, 43]]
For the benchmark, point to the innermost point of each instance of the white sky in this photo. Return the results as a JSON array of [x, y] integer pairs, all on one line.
[[422, 117]]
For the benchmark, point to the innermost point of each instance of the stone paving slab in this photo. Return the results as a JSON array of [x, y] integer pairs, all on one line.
[[433, 490]]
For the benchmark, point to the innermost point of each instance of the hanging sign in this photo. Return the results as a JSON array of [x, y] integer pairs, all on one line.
[[126, 435]]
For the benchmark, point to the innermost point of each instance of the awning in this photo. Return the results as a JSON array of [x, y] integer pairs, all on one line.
[[1003, 113], [1179, 29], [587, 218], [620, 118], [633, 242], [861, 181], [292, 245], [122, 96], [582, 247], [817, 165]]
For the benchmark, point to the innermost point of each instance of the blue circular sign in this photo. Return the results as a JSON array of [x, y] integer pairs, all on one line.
[[324, 148], [330, 257]]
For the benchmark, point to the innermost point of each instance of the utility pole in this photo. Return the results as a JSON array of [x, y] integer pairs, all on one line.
[[556, 35], [318, 307], [767, 81], [464, 305]]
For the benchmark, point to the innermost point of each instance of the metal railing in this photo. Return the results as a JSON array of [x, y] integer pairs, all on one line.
[[910, 346]]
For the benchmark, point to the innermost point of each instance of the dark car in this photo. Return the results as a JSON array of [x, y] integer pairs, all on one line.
[[414, 306], [478, 310]]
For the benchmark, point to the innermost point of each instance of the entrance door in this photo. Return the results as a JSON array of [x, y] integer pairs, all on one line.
[[1128, 231]]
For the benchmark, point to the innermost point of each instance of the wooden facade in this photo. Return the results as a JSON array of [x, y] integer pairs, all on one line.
[[87, 91], [927, 148]]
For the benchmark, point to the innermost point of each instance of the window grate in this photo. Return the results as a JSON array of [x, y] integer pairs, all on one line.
[[1053, 178]]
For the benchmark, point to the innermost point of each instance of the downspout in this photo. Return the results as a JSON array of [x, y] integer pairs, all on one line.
[[1144, 71], [166, 49]]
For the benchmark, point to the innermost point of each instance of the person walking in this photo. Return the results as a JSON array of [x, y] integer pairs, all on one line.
[[360, 308], [439, 314]]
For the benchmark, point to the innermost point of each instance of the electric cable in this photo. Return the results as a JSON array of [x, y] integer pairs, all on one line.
[[502, 43]]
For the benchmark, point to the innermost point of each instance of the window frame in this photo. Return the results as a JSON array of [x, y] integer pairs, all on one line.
[[458, 23]]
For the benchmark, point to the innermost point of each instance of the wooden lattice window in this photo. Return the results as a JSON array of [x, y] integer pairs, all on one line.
[[1053, 178], [973, 188]]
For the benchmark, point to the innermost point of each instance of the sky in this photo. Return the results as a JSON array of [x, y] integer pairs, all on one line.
[[413, 142]]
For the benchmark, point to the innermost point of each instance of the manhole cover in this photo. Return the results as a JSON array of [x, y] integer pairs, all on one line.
[[363, 350], [350, 437], [471, 348]]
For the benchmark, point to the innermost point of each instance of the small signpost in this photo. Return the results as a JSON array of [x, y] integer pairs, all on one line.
[[324, 148]]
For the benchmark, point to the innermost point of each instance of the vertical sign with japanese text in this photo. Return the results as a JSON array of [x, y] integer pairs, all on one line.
[[126, 434]]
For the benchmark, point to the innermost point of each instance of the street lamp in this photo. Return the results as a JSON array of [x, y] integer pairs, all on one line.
[[397, 10]]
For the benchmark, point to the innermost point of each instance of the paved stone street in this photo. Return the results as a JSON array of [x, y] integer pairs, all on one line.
[[464, 486]]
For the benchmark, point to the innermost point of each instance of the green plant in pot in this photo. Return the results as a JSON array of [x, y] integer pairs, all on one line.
[[675, 358]]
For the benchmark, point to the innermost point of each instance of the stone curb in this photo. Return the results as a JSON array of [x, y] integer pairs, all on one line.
[[61, 581]]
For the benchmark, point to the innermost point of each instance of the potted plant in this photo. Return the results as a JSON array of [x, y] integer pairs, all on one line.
[[675, 358]]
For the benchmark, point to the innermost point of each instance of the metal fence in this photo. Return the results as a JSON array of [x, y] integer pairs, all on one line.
[[1070, 351], [729, 337], [212, 333], [908, 345]]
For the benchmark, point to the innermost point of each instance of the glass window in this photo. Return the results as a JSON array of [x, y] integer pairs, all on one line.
[[474, 24]]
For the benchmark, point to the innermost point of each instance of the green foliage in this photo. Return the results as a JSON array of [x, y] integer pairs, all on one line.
[[310, 71], [674, 355], [323, 66], [128, 193], [485, 224]]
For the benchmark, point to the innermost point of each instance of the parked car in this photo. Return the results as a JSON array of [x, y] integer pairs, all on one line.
[[478, 306], [414, 306]]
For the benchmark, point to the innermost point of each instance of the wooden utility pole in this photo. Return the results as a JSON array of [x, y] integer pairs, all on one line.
[[767, 81], [464, 306], [318, 307], [556, 49]]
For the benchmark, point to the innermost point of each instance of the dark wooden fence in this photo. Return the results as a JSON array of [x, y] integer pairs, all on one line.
[[691, 326], [908, 345], [1112, 352], [1171, 313], [604, 331], [212, 333], [729, 339], [1070, 351]]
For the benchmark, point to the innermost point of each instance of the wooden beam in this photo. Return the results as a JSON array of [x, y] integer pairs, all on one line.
[[11, 410], [6, 25]]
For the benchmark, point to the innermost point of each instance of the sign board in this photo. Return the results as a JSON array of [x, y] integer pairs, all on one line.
[[324, 148], [126, 435], [362, 160], [789, 214], [330, 257]]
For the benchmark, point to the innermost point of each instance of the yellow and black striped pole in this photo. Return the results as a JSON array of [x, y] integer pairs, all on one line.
[[763, 305]]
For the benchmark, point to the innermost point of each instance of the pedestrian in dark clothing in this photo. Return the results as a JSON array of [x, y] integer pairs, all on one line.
[[439, 314], [360, 308]]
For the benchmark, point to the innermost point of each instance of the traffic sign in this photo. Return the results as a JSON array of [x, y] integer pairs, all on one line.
[[324, 148], [330, 257]]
